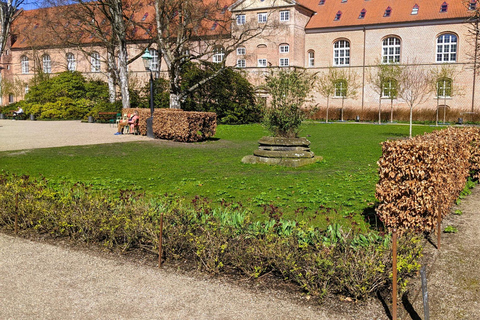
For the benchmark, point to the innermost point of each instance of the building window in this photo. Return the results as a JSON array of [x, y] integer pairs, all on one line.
[[321, 2], [472, 5], [284, 62], [340, 88], [218, 54], [391, 50], [389, 88], [311, 58], [262, 17], [284, 48], [362, 14], [285, 15], [444, 88], [26, 88], [154, 62], [341, 53], [262, 63], [95, 61], [47, 64], [444, 7], [388, 12], [415, 9], [338, 16], [241, 63], [10, 98], [241, 51], [447, 48], [71, 63], [241, 19], [25, 65]]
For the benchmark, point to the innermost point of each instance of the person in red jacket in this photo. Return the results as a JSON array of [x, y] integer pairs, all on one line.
[[131, 121]]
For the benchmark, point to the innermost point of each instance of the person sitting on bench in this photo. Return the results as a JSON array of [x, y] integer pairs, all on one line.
[[17, 112], [131, 121]]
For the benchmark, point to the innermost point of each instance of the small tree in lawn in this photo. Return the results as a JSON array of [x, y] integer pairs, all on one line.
[[384, 82], [414, 87], [288, 91], [326, 86]]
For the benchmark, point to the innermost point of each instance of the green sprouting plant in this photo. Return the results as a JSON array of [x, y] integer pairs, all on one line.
[[450, 229], [458, 212]]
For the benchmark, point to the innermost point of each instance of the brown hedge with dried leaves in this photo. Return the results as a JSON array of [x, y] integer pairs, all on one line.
[[178, 125], [422, 177]]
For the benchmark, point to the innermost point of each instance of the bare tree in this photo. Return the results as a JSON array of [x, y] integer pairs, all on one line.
[[8, 10], [326, 86], [414, 87], [384, 82], [198, 30], [443, 84]]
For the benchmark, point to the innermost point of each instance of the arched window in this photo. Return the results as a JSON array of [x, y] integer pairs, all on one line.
[[444, 88], [218, 54], [154, 62], [25, 64], [341, 53], [447, 48], [391, 50], [95, 61], [47, 64], [340, 88], [71, 63], [311, 58]]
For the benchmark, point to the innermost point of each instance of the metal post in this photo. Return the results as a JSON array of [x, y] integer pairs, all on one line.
[[160, 244], [150, 120], [426, 311], [394, 270], [439, 228]]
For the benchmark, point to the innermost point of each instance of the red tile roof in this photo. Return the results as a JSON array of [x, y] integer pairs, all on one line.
[[401, 11]]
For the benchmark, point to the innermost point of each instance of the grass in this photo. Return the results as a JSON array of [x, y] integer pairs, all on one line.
[[344, 181]]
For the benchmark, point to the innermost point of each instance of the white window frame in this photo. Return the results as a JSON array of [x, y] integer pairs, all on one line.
[[311, 58], [71, 62], [285, 15], [241, 63], [262, 17], [284, 62], [47, 64], [154, 61], [262, 63], [284, 48], [241, 51], [95, 61], [447, 46], [341, 53], [444, 88], [25, 65], [391, 50], [218, 55], [387, 87], [241, 19], [340, 92]]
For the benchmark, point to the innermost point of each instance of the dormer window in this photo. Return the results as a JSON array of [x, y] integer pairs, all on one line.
[[338, 16], [472, 5], [415, 9], [388, 12], [214, 26], [444, 7], [362, 14], [343, 1], [145, 16], [321, 2], [224, 9]]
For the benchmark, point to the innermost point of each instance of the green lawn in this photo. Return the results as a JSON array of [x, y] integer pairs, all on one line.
[[345, 180]]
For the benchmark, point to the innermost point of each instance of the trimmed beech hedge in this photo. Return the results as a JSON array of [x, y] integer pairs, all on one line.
[[421, 178], [178, 125]]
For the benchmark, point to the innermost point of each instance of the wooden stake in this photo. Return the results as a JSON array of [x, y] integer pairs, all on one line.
[[394, 267], [16, 213], [160, 236], [439, 229]]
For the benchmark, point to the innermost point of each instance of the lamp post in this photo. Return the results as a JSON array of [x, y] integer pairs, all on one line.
[[147, 59]]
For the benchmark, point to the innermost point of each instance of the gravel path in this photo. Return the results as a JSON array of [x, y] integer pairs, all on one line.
[[26, 134]]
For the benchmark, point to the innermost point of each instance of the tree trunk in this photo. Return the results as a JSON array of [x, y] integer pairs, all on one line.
[[380, 110], [326, 118], [123, 74], [411, 118], [111, 76]]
